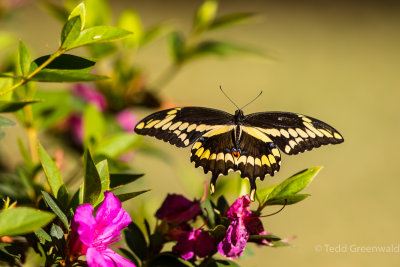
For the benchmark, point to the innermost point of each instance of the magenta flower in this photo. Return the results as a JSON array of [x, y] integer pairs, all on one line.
[[195, 242], [127, 119], [177, 209], [90, 96], [242, 225], [75, 124], [91, 236]]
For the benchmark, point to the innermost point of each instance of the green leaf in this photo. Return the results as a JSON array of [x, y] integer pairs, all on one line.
[[262, 237], [153, 33], [230, 19], [24, 59], [53, 176], [221, 49], [117, 144], [4, 121], [127, 196], [12, 106], [131, 256], [80, 11], [263, 193], [176, 43], [65, 62], [207, 205], [70, 32], [56, 232], [102, 169], [6, 82], [294, 184], [218, 232], [205, 15], [42, 236], [59, 76], [289, 200], [130, 21], [18, 221], [55, 208], [93, 126], [91, 181], [136, 241], [222, 263], [119, 179], [99, 34]]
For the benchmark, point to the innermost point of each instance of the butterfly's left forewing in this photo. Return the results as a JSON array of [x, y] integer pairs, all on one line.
[[182, 126]]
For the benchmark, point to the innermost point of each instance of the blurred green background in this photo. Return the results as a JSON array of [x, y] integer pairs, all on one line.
[[338, 61]]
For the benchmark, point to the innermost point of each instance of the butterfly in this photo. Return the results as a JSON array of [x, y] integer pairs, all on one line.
[[251, 144]]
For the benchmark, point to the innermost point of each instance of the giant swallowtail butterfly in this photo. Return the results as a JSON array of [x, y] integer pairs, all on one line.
[[250, 144]]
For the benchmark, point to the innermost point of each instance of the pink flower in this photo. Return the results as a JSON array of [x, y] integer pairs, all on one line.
[[195, 242], [242, 225], [91, 236], [127, 119], [75, 123], [91, 96], [177, 209]]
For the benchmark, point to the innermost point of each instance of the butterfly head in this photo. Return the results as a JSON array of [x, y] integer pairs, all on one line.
[[238, 115]]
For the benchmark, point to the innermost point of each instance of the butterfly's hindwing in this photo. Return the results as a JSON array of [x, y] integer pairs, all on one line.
[[293, 133], [257, 156], [181, 126]]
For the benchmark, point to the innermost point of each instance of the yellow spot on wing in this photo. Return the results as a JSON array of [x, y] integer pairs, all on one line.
[[293, 132], [287, 149], [292, 143], [186, 142], [183, 126], [177, 132], [219, 130], [191, 127], [257, 134], [337, 136], [175, 125], [196, 145], [199, 152], [228, 157], [242, 159], [151, 124], [140, 125], [201, 128], [172, 111], [311, 134], [164, 121], [273, 132], [220, 156], [250, 160], [302, 133], [257, 162], [166, 126], [309, 126], [299, 139], [213, 156], [271, 159], [183, 136], [206, 154], [326, 133], [276, 153], [284, 133], [265, 161]]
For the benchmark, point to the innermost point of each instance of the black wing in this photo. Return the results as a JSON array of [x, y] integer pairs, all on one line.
[[258, 154], [182, 126], [293, 133]]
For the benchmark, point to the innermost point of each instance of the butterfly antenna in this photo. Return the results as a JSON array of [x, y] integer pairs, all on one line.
[[252, 100], [220, 87]]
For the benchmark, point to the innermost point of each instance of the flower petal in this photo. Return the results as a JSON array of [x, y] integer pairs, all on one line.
[[111, 219], [86, 223], [117, 259], [234, 242], [185, 245], [240, 208], [96, 258], [204, 245], [177, 209]]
